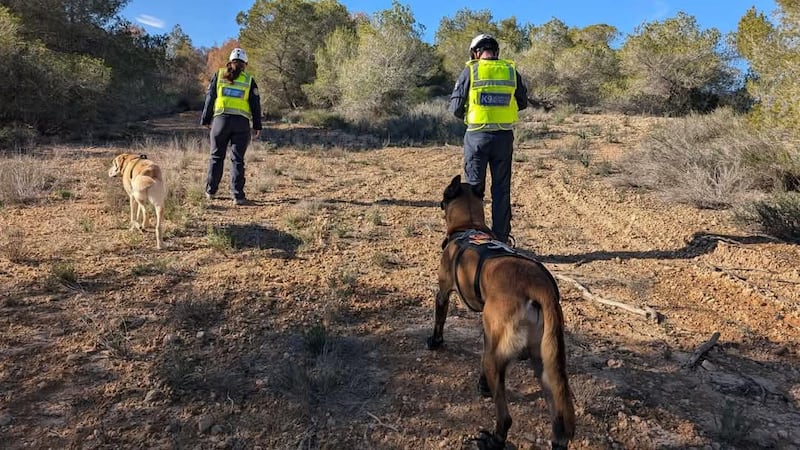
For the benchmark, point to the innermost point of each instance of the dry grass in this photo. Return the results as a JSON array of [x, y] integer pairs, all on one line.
[[23, 179], [703, 160]]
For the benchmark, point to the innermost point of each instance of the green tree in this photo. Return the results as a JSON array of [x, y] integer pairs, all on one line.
[[339, 47], [673, 66], [281, 37], [774, 58], [454, 35], [537, 63], [391, 61], [187, 70]]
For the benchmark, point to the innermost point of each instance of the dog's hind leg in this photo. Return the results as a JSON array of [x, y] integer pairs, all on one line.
[[442, 304], [159, 214], [134, 212], [494, 371]]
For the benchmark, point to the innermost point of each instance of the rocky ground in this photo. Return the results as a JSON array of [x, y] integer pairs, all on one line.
[[298, 322]]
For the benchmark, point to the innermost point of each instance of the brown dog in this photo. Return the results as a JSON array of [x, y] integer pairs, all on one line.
[[522, 316], [143, 182]]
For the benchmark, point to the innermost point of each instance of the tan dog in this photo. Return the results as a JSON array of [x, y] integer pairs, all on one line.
[[522, 316], [143, 182]]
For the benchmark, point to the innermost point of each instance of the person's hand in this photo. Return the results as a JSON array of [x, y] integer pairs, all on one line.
[[256, 133], [207, 126]]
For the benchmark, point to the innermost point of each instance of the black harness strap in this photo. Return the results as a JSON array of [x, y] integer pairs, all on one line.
[[486, 250]]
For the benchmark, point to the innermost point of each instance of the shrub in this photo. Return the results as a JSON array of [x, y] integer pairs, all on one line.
[[778, 215], [710, 161], [23, 179]]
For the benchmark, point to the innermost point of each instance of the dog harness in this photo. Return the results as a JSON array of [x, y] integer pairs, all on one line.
[[486, 247]]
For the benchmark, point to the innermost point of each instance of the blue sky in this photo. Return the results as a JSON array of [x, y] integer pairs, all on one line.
[[210, 23]]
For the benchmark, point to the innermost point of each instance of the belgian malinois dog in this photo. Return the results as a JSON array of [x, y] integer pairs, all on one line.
[[143, 182], [522, 317]]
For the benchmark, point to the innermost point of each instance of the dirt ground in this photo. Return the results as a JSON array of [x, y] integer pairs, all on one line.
[[299, 322]]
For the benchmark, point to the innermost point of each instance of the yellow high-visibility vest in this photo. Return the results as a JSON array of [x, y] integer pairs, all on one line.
[[490, 103], [233, 98]]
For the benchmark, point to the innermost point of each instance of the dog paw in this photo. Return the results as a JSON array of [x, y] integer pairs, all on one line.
[[433, 343], [483, 441]]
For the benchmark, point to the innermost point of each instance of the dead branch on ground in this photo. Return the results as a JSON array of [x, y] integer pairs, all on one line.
[[644, 311], [700, 354]]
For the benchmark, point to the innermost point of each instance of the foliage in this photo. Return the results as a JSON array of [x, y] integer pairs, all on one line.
[[339, 46], [390, 62], [454, 35], [79, 68], [710, 161], [771, 50], [281, 37], [217, 57], [779, 215], [674, 67], [569, 65]]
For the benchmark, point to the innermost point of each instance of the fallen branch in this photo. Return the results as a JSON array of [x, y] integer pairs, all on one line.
[[380, 422], [701, 351], [644, 311]]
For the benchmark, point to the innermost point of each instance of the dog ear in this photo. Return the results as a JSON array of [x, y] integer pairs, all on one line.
[[478, 189], [452, 191]]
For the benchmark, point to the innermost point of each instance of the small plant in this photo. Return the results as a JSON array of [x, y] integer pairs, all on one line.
[[158, 266], [219, 238], [194, 314], [12, 246], [23, 179], [779, 216], [302, 214], [343, 283], [86, 224], [374, 217], [64, 271], [733, 427], [64, 194], [315, 339]]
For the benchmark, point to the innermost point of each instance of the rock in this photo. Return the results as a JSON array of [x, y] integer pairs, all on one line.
[[204, 424], [170, 339], [152, 396]]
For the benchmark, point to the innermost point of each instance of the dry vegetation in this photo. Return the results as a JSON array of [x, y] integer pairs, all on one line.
[[299, 322]]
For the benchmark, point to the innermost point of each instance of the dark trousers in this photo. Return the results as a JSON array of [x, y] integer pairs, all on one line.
[[493, 149], [234, 130]]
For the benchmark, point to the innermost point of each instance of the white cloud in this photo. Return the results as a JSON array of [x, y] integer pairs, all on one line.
[[662, 9], [154, 22]]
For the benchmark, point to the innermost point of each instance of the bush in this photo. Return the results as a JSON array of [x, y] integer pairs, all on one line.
[[23, 179], [428, 122], [778, 215], [710, 161], [15, 136]]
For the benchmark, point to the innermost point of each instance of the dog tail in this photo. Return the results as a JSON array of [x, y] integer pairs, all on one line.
[[554, 364]]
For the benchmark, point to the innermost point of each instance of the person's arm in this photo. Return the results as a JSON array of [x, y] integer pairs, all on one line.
[[255, 105], [211, 97], [521, 94], [458, 99]]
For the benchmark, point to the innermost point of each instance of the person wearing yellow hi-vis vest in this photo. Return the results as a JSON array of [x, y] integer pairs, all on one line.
[[232, 108], [487, 95]]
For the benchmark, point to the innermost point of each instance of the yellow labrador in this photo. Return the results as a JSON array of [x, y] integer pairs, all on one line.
[[143, 181]]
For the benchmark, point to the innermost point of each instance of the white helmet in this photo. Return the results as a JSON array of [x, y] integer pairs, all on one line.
[[239, 54], [486, 41]]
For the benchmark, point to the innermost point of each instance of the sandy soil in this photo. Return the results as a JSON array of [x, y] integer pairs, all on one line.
[[299, 322]]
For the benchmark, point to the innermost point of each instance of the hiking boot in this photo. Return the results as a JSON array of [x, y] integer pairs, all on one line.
[[209, 196], [241, 201]]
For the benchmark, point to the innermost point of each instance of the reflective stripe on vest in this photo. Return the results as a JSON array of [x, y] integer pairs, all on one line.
[[233, 98], [490, 102]]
